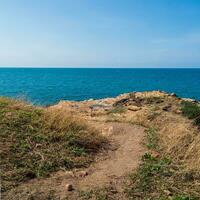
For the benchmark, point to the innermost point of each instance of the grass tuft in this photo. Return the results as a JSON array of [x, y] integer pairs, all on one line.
[[192, 111], [35, 142]]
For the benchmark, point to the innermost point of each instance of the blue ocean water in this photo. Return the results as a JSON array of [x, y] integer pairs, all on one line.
[[49, 85]]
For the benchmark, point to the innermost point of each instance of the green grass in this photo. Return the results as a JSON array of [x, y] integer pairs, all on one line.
[[160, 178], [97, 194], [152, 139], [191, 110], [35, 142], [151, 171]]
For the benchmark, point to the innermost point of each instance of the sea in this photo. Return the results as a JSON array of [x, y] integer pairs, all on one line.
[[47, 86]]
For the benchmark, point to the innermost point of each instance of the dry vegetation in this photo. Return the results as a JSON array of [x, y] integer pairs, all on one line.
[[171, 168], [35, 142]]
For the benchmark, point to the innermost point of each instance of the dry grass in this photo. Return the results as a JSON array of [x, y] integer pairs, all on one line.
[[35, 142], [178, 138], [178, 135]]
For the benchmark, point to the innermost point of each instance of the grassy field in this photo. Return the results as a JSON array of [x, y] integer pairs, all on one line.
[[35, 142]]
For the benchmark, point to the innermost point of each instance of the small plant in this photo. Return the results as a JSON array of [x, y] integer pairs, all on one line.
[[191, 110], [152, 139]]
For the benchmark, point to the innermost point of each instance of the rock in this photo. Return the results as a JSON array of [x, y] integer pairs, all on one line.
[[178, 111], [133, 108], [167, 107], [69, 187], [121, 102], [173, 95], [82, 173], [190, 100], [105, 107], [155, 154]]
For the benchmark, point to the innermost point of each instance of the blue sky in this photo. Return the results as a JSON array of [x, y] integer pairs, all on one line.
[[98, 33]]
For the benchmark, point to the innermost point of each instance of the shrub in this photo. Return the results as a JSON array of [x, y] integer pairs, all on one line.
[[191, 110]]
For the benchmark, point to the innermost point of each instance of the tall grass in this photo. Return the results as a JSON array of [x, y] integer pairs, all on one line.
[[35, 142]]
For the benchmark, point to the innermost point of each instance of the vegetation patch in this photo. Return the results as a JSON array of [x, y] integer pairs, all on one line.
[[191, 110], [152, 139], [159, 178], [35, 142], [97, 194]]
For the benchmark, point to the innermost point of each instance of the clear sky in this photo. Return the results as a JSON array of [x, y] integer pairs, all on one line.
[[95, 33]]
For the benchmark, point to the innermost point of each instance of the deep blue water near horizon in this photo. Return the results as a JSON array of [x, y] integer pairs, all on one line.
[[46, 86]]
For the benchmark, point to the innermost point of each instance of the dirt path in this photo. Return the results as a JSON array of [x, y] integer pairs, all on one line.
[[127, 141], [109, 170]]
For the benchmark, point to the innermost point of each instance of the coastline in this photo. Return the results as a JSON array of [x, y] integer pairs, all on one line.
[[104, 140]]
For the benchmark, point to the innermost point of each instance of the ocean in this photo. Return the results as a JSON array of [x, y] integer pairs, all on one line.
[[46, 86]]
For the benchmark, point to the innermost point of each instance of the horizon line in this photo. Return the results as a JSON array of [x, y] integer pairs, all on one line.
[[104, 67]]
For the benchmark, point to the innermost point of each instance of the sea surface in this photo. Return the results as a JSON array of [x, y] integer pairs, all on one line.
[[45, 86]]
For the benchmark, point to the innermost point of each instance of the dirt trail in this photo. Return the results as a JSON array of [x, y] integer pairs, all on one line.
[[127, 141], [122, 157]]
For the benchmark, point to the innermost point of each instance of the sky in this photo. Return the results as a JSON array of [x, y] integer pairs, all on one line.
[[100, 33]]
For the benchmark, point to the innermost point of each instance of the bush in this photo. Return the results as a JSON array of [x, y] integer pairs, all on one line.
[[192, 111]]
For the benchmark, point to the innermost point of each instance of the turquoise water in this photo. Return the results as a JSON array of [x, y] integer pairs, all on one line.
[[49, 85]]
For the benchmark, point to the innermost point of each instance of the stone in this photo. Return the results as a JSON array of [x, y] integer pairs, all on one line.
[[190, 100], [121, 102], [178, 111], [133, 108], [167, 107], [69, 187], [155, 154], [173, 95]]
